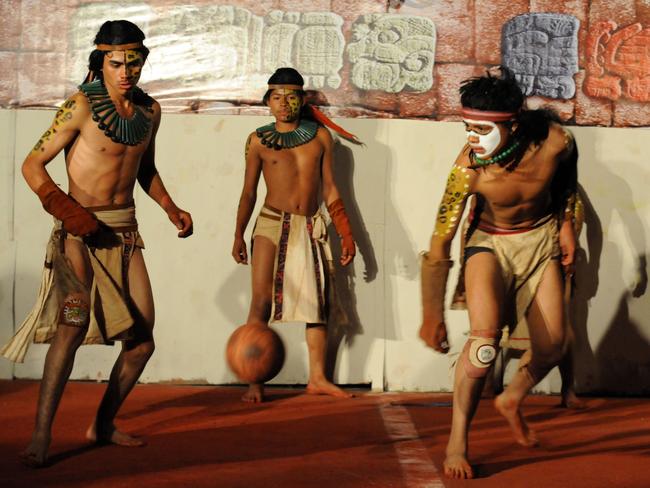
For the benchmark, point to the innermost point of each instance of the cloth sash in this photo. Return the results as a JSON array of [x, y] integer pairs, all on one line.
[[109, 252], [523, 255], [302, 260]]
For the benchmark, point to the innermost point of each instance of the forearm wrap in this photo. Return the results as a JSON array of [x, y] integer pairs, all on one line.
[[433, 278], [341, 222], [76, 219]]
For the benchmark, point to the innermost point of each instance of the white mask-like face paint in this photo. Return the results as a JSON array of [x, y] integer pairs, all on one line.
[[487, 142]]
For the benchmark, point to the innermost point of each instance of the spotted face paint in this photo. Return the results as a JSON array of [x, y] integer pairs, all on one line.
[[285, 104], [452, 204], [122, 69], [134, 62]]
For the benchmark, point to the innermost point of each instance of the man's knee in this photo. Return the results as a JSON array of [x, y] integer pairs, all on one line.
[[141, 352], [480, 352]]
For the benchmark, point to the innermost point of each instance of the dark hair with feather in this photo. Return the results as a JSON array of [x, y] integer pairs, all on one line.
[[284, 76]]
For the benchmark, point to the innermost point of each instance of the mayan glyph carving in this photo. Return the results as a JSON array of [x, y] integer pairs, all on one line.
[[205, 45], [311, 42], [392, 52], [542, 50], [618, 62]]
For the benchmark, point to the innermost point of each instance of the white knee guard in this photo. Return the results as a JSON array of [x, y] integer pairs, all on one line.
[[480, 352]]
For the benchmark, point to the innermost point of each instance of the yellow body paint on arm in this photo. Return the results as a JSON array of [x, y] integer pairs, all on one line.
[[453, 202]]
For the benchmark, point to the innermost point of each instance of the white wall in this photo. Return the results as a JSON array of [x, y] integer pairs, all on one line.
[[391, 186]]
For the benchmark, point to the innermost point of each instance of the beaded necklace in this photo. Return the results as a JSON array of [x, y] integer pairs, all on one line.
[[302, 134], [121, 130], [479, 163]]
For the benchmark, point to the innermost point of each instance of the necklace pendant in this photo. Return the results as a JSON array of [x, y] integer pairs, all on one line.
[[120, 130]]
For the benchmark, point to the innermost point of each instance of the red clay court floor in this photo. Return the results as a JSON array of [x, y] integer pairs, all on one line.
[[200, 436]]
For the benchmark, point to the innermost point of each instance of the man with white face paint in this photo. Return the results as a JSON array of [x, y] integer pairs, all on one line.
[[521, 166]]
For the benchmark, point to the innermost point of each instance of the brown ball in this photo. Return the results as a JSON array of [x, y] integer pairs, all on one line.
[[255, 353]]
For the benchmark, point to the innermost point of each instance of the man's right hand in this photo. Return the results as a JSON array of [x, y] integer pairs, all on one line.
[[76, 220], [434, 335], [239, 253]]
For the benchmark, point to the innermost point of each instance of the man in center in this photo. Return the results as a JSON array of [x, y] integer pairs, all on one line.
[[291, 258]]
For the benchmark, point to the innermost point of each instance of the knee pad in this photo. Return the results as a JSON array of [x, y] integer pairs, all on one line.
[[480, 352], [75, 310]]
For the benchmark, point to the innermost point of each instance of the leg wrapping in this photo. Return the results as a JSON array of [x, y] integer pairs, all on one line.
[[433, 276], [480, 352]]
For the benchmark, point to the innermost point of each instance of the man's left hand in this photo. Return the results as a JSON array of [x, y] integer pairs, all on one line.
[[182, 220], [568, 248]]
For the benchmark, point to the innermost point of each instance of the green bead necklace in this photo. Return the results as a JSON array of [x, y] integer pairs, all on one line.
[[121, 130], [478, 162], [302, 134]]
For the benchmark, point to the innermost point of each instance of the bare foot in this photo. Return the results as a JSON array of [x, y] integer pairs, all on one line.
[[571, 401], [456, 466], [510, 410], [255, 394], [324, 387], [111, 435], [435, 336], [35, 455]]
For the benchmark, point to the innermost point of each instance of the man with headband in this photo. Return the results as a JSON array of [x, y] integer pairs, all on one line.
[[95, 287], [519, 243], [290, 254]]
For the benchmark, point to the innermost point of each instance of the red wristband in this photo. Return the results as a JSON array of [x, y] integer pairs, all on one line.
[[76, 219]]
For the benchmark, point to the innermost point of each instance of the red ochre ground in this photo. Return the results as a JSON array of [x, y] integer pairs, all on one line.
[[202, 436]]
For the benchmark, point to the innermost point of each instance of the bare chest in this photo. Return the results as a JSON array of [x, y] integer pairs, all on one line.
[[302, 162], [527, 183]]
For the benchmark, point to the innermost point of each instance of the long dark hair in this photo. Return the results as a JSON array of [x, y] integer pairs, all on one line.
[[114, 32]]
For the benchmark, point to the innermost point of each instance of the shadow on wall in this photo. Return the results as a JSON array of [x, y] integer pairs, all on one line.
[[586, 286], [621, 361], [344, 324]]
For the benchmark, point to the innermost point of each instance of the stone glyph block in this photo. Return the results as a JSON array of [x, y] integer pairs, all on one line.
[[618, 62], [311, 42], [392, 53], [542, 51]]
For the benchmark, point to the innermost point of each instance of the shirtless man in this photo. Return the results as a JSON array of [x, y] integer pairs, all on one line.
[[291, 254], [108, 132], [521, 165]]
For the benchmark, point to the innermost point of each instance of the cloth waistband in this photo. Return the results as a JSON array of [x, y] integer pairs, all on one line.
[[276, 214], [493, 229], [119, 217]]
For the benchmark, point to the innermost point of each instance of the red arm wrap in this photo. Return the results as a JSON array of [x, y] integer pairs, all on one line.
[[341, 221], [76, 219]]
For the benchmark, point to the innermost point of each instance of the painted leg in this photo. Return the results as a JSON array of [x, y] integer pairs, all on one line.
[[58, 366], [60, 357], [484, 292]]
